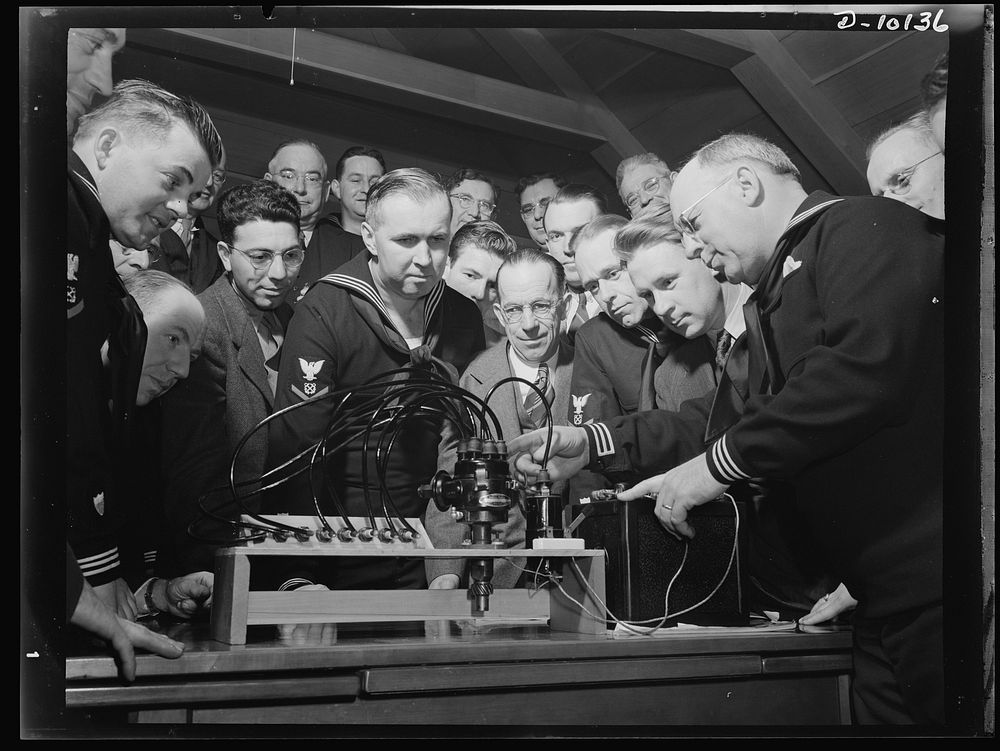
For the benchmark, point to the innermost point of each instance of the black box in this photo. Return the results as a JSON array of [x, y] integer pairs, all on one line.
[[642, 558]]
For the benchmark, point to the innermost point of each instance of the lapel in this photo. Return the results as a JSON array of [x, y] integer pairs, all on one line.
[[492, 366], [243, 335], [562, 384]]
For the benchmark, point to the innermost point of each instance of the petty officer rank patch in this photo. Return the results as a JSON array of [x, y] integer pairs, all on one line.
[[73, 302], [310, 371], [579, 402]]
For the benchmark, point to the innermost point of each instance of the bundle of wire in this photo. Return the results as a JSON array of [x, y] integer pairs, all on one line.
[[375, 411]]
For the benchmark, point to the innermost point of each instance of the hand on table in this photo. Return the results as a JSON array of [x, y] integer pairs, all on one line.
[[124, 636], [829, 607], [117, 596], [304, 634], [183, 596]]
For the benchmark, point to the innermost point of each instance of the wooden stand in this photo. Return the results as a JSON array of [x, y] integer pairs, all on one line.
[[578, 607]]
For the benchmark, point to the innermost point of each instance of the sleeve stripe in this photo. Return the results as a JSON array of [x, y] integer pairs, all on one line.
[[107, 556], [600, 436], [90, 571], [724, 462]]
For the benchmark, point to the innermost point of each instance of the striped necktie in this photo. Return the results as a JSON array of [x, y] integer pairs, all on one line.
[[533, 405]]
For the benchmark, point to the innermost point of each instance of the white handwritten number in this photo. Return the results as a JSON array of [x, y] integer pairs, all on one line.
[[848, 20]]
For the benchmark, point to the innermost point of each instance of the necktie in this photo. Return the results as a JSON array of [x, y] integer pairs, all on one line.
[[581, 316], [722, 347], [533, 405], [271, 337]]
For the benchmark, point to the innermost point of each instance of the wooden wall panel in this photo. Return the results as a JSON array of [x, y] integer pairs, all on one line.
[[660, 82], [821, 52], [873, 126], [678, 130], [884, 81]]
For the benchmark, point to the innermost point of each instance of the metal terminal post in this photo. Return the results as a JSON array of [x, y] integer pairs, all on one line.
[[346, 535], [324, 535], [304, 534]]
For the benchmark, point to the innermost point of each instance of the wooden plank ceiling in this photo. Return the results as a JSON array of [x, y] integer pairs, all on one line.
[[514, 101]]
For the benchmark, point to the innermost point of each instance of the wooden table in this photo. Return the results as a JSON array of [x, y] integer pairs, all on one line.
[[474, 673]]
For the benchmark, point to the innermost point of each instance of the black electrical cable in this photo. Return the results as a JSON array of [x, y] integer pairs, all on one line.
[[541, 396]]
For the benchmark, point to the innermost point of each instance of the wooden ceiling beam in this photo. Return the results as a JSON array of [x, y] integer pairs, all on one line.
[[512, 53], [719, 51], [372, 73], [619, 141], [816, 127]]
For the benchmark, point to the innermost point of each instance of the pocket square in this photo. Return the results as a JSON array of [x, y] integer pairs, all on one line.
[[790, 265]]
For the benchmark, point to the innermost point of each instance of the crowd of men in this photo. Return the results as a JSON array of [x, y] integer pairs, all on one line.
[[733, 332]]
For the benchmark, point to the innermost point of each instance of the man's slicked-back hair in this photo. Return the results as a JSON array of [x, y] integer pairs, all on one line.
[[358, 151], [486, 235], [417, 184], [148, 286], [530, 256], [260, 200], [634, 161], [142, 108], [934, 86], [919, 124], [466, 173], [597, 226], [573, 192], [297, 142], [526, 182], [641, 233], [734, 147]]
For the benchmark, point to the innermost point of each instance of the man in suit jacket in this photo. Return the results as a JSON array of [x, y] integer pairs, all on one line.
[[530, 288], [231, 385]]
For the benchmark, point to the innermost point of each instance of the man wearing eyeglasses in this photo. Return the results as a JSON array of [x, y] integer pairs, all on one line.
[[473, 197], [299, 167], [534, 193], [530, 289], [845, 401], [230, 388], [906, 164], [187, 250], [643, 183]]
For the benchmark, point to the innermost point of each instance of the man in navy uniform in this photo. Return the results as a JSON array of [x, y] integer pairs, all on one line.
[[134, 164], [379, 312], [844, 401]]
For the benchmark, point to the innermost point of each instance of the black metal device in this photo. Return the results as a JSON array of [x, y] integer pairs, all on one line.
[[643, 560]]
